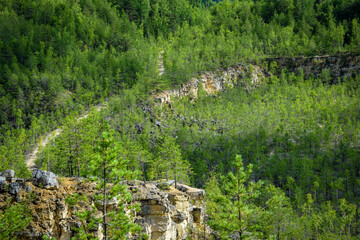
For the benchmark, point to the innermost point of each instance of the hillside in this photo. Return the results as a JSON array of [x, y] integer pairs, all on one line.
[[256, 101]]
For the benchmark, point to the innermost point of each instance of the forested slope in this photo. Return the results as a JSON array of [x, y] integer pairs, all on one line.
[[299, 137]]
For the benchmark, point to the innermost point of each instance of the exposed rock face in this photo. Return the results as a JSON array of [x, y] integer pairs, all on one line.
[[169, 214], [165, 214], [250, 76], [212, 82], [338, 66]]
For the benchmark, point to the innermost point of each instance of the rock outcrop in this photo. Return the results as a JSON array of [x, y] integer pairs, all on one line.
[[248, 76], [170, 214], [337, 66], [164, 214]]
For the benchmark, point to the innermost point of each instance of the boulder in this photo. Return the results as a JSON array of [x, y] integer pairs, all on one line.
[[44, 179], [15, 188], [8, 174]]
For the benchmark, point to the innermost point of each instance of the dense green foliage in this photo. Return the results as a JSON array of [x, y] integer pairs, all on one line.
[[300, 136], [242, 209], [230, 207], [57, 57], [60, 57], [14, 219]]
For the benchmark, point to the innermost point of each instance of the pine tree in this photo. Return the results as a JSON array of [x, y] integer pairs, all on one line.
[[111, 170], [230, 202], [14, 218], [169, 162]]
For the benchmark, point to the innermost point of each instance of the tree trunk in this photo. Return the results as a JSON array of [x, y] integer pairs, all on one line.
[[238, 198], [143, 170], [104, 202], [175, 175], [77, 151]]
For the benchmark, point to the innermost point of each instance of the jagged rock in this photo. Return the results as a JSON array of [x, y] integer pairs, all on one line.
[[15, 188], [44, 179], [196, 194], [213, 82], [8, 174], [178, 216], [197, 215], [28, 188], [2, 179], [182, 188], [110, 204], [133, 189]]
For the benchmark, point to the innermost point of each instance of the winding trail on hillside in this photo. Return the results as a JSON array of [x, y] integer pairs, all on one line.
[[30, 158]]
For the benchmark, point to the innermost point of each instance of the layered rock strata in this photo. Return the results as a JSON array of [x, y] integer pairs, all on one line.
[[164, 214], [249, 76]]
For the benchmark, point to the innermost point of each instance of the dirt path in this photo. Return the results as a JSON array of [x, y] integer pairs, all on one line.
[[31, 157]]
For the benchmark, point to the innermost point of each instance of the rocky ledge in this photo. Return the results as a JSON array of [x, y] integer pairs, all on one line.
[[249, 76], [166, 212], [246, 75]]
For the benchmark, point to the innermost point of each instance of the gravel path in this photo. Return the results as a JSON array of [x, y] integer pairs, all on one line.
[[31, 157]]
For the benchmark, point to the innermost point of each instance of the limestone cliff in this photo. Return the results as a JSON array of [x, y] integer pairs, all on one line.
[[164, 214], [248, 76]]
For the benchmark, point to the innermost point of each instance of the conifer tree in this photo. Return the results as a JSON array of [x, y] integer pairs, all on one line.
[[14, 218], [111, 171], [230, 202], [169, 162]]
